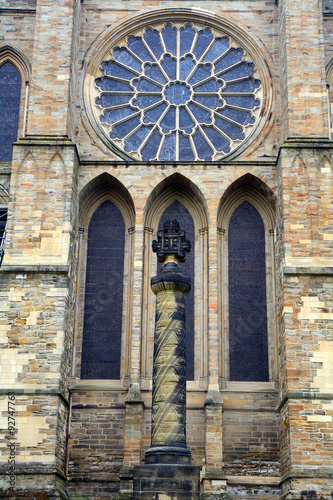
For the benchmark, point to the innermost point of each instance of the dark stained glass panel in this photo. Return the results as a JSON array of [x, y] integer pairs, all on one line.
[[10, 95], [177, 211], [247, 296], [104, 294]]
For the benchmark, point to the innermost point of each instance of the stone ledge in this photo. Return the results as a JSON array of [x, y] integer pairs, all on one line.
[[254, 480], [316, 270], [311, 473], [35, 392], [62, 269], [302, 142], [304, 395]]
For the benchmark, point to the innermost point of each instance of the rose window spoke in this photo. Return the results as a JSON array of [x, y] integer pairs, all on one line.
[[178, 92]]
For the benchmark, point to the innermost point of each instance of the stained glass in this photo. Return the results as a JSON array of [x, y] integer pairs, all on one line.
[[178, 92], [247, 296], [103, 294], [10, 94]]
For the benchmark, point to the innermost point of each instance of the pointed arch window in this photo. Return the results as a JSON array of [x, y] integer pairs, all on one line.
[[10, 96], [177, 211], [247, 315], [103, 294]]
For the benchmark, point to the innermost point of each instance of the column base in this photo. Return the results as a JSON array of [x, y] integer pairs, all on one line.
[[166, 482], [168, 455]]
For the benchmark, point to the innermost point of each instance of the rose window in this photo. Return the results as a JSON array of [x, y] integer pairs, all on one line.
[[178, 92]]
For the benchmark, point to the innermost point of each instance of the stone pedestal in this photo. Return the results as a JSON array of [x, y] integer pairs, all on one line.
[[166, 482]]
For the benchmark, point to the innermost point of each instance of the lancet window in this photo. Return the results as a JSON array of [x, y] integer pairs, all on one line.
[[10, 95], [102, 327]]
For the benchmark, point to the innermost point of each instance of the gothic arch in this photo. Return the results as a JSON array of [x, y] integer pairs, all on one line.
[[177, 188], [20, 62], [106, 189], [257, 194]]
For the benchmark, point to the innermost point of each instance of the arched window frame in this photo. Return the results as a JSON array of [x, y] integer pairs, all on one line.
[[227, 208], [21, 63], [105, 188], [177, 190], [329, 85]]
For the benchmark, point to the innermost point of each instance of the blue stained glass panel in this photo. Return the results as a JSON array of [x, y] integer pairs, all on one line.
[[122, 55], [211, 85], [232, 57], [152, 39], [10, 95], [240, 71], [219, 46], [185, 121], [134, 142], [203, 40], [185, 67], [248, 344], [143, 101], [153, 115], [186, 39], [169, 34], [249, 102], [153, 71], [114, 115], [201, 73], [113, 69], [122, 129], [230, 129], [204, 150], [107, 83], [239, 116], [169, 121], [170, 67], [185, 149], [168, 151], [149, 151], [143, 85], [200, 114], [136, 45], [109, 100], [103, 294], [211, 101], [219, 142], [248, 85]]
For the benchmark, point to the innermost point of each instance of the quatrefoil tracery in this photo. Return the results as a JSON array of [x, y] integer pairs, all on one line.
[[178, 93]]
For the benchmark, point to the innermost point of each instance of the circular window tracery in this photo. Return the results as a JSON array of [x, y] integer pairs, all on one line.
[[178, 91]]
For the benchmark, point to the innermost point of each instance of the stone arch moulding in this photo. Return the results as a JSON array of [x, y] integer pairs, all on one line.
[[98, 190], [103, 126], [251, 189], [329, 84], [22, 64], [176, 188]]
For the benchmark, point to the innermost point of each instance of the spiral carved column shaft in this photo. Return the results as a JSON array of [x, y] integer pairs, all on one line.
[[169, 375]]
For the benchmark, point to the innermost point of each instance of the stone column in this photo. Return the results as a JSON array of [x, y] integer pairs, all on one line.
[[168, 473]]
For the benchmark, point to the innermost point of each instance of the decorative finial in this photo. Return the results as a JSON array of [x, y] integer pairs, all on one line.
[[171, 241]]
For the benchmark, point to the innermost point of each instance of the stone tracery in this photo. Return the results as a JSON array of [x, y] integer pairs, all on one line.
[[178, 92]]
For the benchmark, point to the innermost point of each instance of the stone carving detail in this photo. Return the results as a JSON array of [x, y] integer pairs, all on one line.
[[171, 241]]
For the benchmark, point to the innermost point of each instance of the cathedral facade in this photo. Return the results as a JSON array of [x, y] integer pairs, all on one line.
[[115, 117]]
